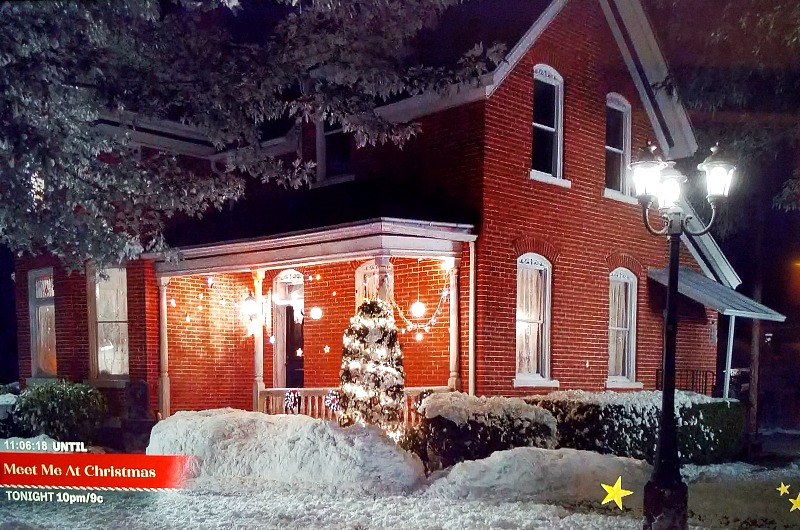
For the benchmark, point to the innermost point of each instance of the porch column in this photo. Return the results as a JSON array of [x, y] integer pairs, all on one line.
[[454, 382], [258, 380], [471, 381], [383, 276], [163, 364]]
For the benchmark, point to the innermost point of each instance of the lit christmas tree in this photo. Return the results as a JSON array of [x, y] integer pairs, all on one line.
[[372, 374]]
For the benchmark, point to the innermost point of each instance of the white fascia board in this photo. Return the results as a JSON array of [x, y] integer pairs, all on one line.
[[648, 54], [336, 233], [158, 142], [526, 42], [318, 253], [415, 107], [709, 247]]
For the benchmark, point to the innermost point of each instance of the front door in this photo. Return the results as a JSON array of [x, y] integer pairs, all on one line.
[[294, 350]]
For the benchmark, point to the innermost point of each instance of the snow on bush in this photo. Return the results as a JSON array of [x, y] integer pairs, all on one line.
[[457, 427], [287, 448], [626, 423], [542, 475], [462, 408]]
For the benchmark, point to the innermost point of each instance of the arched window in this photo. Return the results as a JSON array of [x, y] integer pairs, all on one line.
[[534, 280], [375, 279], [622, 326], [548, 118], [618, 144]]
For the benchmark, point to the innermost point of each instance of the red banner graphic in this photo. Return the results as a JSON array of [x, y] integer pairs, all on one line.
[[126, 472]]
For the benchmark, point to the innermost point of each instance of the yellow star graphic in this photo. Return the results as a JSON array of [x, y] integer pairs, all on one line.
[[795, 503], [615, 493], [783, 489]]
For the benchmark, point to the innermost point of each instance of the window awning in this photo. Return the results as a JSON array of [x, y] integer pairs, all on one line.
[[719, 297]]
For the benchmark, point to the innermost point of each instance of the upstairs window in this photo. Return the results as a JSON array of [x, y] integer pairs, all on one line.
[[622, 326], [548, 113], [108, 310], [334, 153], [41, 303], [618, 144], [533, 319]]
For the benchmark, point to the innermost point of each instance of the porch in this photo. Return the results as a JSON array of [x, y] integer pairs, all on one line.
[[255, 319], [312, 402]]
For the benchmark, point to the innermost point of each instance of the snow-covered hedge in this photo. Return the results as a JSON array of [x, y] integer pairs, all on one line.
[[626, 423], [457, 427], [286, 448]]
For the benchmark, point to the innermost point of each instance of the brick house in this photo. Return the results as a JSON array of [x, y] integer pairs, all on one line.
[[510, 217]]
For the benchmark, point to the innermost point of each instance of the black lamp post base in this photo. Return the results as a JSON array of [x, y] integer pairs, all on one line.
[[665, 507]]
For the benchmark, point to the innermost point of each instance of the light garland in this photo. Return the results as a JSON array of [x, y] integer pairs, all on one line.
[[332, 400], [412, 326]]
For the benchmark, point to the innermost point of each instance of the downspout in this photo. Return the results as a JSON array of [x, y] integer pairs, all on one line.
[[471, 340]]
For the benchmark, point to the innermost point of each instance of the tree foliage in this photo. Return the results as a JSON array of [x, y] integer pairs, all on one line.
[[736, 67], [68, 189]]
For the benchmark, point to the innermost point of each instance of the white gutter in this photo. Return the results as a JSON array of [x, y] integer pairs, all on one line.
[[471, 343]]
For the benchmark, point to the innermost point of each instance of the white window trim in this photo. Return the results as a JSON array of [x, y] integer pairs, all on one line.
[[550, 179], [322, 170], [548, 74], [95, 378], [617, 195], [617, 381], [33, 304], [617, 102], [542, 379]]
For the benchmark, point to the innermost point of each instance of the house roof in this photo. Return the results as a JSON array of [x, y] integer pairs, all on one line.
[[267, 212], [718, 297]]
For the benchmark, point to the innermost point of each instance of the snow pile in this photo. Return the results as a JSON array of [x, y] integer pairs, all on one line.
[[632, 400], [562, 476], [287, 448], [462, 408], [15, 442]]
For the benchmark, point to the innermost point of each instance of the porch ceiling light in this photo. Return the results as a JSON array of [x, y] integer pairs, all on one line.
[[448, 263], [315, 313], [418, 309]]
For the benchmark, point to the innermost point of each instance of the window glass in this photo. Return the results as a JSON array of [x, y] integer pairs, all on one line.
[[533, 315], [621, 324], [369, 283], [547, 121], [544, 103], [111, 307], [618, 141], [41, 304], [338, 151]]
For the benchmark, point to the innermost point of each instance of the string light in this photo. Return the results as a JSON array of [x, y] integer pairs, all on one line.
[[315, 313], [418, 309]]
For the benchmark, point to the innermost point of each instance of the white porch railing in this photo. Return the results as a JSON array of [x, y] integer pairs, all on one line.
[[312, 402]]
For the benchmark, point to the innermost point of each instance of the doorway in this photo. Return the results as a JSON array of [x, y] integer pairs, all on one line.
[[288, 302]]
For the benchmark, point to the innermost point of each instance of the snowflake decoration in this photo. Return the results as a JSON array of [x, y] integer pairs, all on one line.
[[332, 400], [291, 402]]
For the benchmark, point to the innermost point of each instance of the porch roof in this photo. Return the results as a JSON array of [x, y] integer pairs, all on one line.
[[371, 238], [718, 297]]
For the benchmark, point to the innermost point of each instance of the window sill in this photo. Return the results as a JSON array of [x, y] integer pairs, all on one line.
[[623, 384], [40, 380], [338, 179], [534, 382], [549, 179], [107, 383], [619, 196]]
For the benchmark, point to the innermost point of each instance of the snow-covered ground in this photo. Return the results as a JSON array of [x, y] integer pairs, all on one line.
[[268, 481]]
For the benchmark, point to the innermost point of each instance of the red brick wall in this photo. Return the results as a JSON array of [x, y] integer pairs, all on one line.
[[143, 326], [577, 229], [210, 356]]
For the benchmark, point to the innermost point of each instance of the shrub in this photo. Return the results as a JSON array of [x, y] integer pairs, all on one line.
[[457, 427], [626, 424], [64, 411]]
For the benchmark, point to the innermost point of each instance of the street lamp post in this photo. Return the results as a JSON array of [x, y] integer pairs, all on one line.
[[665, 494]]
